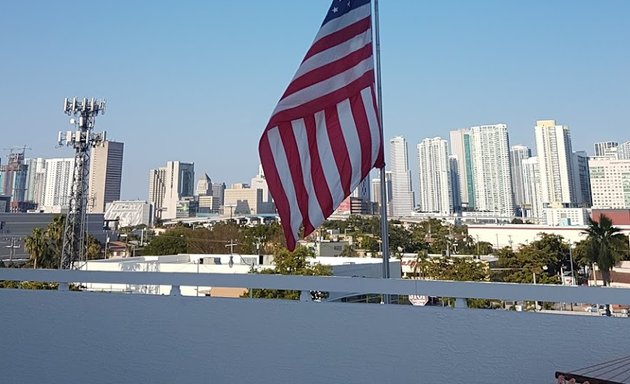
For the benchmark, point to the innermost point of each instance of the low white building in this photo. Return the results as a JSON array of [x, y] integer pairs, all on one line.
[[129, 213], [515, 235], [566, 216], [222, 263]]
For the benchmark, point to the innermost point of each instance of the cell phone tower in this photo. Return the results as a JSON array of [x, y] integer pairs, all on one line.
[[83, 114]]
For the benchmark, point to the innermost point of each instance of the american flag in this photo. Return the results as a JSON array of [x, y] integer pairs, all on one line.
[[323, 137]]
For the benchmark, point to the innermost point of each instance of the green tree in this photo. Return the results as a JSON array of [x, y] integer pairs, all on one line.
[[166, 244], [36, 245], [606, 245], [291, 263]]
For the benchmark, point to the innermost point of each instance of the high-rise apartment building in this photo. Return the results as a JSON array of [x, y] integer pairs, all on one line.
[[376, 191], [490, 149], [105, 175], [36, 180], [623, 151], [606, 149], [518, 153], [555, 159], [168, 185], [58, 184], [532, 198], [582, 179], [218, 191], [13, 177], [402, 195], [610, 183], [434, 176], [461, 149], [455, 187]]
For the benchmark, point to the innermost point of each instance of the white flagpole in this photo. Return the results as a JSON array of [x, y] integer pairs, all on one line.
[[379, 95]]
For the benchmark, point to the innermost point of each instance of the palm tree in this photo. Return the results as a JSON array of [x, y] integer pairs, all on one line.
[[605, 245], [54, 233], [36, 246]]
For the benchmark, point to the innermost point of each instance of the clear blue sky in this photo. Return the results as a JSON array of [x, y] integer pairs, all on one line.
[[197, 80]]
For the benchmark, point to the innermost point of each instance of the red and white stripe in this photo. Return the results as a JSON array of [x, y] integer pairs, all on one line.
[[323, 137]]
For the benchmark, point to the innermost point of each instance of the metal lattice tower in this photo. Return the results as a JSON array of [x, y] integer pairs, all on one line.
[[84, 113]]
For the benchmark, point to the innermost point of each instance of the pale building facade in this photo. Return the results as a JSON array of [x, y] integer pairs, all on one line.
[[58, 184], [36, 180], [240, 199], [623, 151], [461, 149], [204, 186], [434, 176], [105, 175], [491, 169], [129, 213], [606, 149], [532, 198], [169, 185], [518, 153], [402, 200], [376, 191], [566, 216], [555, 159], [610, 183]]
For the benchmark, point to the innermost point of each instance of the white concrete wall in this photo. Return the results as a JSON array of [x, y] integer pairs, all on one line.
[[520, 234], [82, 337]]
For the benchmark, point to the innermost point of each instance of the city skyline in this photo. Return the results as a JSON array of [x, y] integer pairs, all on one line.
[[446, 66]]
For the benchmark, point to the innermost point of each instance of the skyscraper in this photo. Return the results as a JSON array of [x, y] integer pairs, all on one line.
[[606, 149], [532, 198], [105, 175], [168, 185], [204, 186], [582, 179], [434, 176], [555, 159], [610, 183], [218, 191], [623, 151], [517, 154], [36, 180], [460, 148], [402, 196], [58, 183], [376, 191], [491, 169], [455, 187], [13, 179]]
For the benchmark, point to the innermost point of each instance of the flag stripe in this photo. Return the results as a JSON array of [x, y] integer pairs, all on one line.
[[349, 18], [319, 103], [363, 131], [336, 82], [313, 211], [351, 140], [284, 174], [276, 187], [372, 117], [327, 158], [318, 178], [295, 163], [334, 53], [339, 148], [327, 71], [338, 37], [380, 159]]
